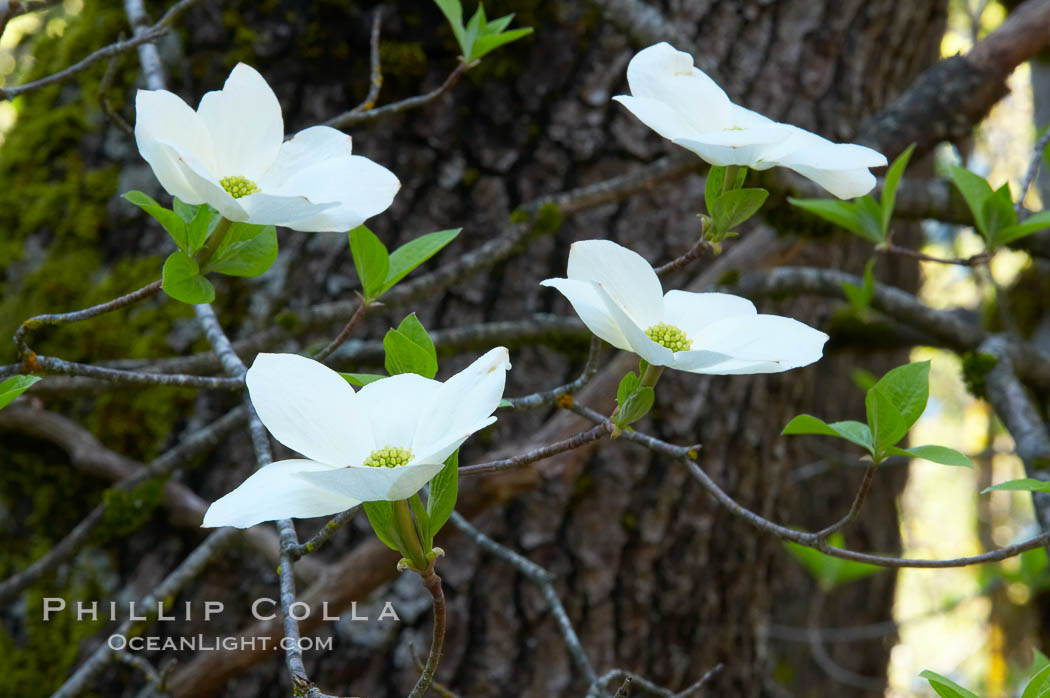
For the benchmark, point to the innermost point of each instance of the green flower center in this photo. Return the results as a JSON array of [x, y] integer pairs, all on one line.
[[669, 336], [239, 186], [389, 457]]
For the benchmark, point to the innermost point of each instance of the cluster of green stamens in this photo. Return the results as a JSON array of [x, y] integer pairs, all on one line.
[[669, 336], [389, 457], [239, 186]]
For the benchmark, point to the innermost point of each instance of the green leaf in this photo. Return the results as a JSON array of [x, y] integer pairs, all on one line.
[[13, 387], [360, 379], [485, 44], [945, 687], [628, 384], [827, 570], [1025, 484], [186, 211], [975, 191], [200, 226], [171, 221], [998, 213], [474, 29], [419, 513], [496, 26], [370, 259], [247, 250], [1032, 224], [864, 380], [1039, 660], [735, 206], [410, 255], [716, 179], [908, 389], [181, 279], [935, 454], [381, 515], [409, 349], [889, 188], [869, 213], [444, 489], [860, 298], [1039, 686], [635, 406], [844, 214], [850, 430], [887, 424], [453, 12]]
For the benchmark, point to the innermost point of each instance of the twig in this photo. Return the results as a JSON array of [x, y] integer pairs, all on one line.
[[810, 540], [704, 680], [186, 571], [376, 72], [584, 437], [196, 443], [436, 686], [624, 691], [1033, 169], [830, 667], [545, 398], [974, 261], [152, 33], [597, 687], [324, 535], [432, 582], [854, 509], [543, 579], [359, 313], [360, 114], [49, 365], [37, 322], [694, 253], [103, 101]]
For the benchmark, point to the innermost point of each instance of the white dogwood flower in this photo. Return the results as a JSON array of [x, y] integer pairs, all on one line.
[[619, 297], [681, 103], [383, 442], [230, 153]]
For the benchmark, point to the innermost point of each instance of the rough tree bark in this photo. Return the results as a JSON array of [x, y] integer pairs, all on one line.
[[655, 577]]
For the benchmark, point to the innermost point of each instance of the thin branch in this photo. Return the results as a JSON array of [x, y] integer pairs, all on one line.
[[361, 113], [150, 34], [824, 660], [543, 579], [854, 509], [324, 535], [545, 398], [973, 261], [704, 680], [811, 540], [37, 322], [103, 100], [584, 437], [694, 253], [432, 582], [187, 570], [348, 329], [376, 73], [1033, 170], [49, 365]]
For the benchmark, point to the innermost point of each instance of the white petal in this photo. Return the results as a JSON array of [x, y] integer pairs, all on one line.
[[591, 309], [203, 183], [274, 492], [691, 312], [463, 402], [746, 146], [370, 484], [772, 342], [637, 339], [845, 184], [658, 116], [625, 276], [305, 149], [359, 187], [265, 208], [662, 73], [437, 452], [245, 122], [310, 408], [394, 405], [695, 361], [161, 116]]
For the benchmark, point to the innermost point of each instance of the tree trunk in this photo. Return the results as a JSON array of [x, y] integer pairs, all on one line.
[[657, 579]]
